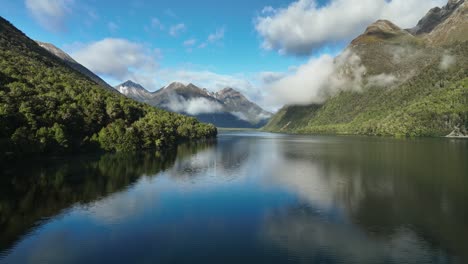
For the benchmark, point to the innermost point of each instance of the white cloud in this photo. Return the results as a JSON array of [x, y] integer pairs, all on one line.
[[156, 24], [51, 14], [241, 116], [304, 25], [271, 77], [218, 35], [190, 42], [119, 59], [381, 80], [215, 37], [176, 30], [447, 62], [268, 10], [317, 80], [193, 106]]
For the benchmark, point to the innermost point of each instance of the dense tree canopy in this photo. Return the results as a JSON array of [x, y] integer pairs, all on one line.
[[47, 107]]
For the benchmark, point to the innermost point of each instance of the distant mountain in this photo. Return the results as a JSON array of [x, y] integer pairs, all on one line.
[[133, 90], [226, 108], [415, 82], [67, 59]]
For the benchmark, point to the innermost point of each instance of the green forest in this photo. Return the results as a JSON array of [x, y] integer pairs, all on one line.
[[47, 107], [433, 102]]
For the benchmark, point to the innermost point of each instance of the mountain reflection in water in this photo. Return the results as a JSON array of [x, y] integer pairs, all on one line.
[[249, 197]]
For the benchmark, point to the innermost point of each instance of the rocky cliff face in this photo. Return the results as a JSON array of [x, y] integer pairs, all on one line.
[[450, 28], [435, 17]]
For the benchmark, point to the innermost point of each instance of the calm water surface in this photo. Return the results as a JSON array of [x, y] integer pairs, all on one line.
[[249, 197]]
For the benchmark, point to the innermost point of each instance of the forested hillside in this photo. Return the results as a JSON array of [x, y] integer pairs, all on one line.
[[426, 93], [48, 107]]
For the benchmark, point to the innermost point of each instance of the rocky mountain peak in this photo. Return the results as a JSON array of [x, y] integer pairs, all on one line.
[[436, 16], [132, 84], [133, 89], [175, 85], [228, 92], [382, 25], [380, 31]]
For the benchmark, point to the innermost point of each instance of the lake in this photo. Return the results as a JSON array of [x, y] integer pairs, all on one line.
[[248, 197]]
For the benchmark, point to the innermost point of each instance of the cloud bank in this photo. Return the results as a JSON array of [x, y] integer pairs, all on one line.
[[194, 106], [305, 25], [119, 59], [318, 79]]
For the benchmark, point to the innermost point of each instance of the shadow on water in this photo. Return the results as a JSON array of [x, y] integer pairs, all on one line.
[[35, 191]]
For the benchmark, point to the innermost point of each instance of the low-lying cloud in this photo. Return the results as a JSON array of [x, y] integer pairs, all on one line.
[[319, 79], [305, 25], [381, 80], [194, 106], [447, 61]]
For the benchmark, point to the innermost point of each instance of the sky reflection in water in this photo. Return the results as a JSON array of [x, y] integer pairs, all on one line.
[[248, 197]]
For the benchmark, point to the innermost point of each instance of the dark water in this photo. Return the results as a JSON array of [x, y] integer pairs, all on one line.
[[247, 198]]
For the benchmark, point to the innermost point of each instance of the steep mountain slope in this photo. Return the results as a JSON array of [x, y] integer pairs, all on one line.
[[48, 107], [226, 108], [452, 29], [435, 17], [67, 59], [414, 85]]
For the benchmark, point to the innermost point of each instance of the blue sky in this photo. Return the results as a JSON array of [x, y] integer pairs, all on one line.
[[244, 44], [238, 51]]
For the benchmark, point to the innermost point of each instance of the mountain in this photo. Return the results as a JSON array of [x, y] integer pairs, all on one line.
[[437, 16], [67, 59], [133, 90], [415, 82], [49, 107], [226, 108]]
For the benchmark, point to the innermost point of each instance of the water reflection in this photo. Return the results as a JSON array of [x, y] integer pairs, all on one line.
[[32, 193], [393, 200], [249, 197]]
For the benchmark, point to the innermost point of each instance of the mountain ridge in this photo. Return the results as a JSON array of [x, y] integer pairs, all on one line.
[[413, 85], [228, 103]]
